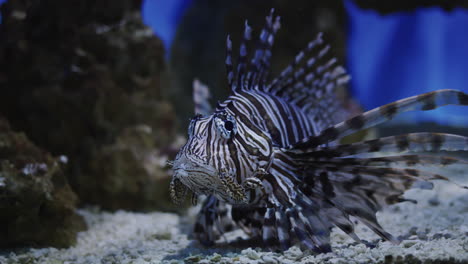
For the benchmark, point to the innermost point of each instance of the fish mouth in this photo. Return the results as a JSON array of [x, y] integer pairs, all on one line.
[[198, 181], [198, 177], [201, 178], [184, 182], [178, 191]]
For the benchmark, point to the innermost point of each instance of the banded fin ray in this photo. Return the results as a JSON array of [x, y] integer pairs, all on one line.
[[249, 220], [412, 142], [388, 161], [309, 82], [312, 227], [252, 69], [285, 135], [283, 228], [213, 220], [315, 82], [361, 191], [427, 101], [243, 58], [269, 234], [260, 63]]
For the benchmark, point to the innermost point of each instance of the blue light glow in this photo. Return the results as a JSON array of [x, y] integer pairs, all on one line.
[[1, 2], [403, 54], [163, 17]]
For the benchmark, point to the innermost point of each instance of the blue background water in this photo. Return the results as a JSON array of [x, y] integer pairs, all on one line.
[[389, 57], [403, 54]]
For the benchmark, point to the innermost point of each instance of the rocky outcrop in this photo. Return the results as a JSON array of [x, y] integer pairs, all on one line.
[[83, 78], [37, 206]]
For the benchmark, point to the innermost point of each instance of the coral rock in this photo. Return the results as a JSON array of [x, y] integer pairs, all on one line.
[[37, 206], [76, 76]]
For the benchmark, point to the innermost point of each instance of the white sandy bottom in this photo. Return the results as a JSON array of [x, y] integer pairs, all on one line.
[[435, 229]]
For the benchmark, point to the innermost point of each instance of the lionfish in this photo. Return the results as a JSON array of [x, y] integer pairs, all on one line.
[[269, 158]]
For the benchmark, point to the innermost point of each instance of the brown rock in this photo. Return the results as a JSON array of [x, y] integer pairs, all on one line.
[[76, 76], [37, 206]]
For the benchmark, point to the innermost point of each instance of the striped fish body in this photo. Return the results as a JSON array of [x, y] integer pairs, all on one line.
[[249, 153], [268, 157]]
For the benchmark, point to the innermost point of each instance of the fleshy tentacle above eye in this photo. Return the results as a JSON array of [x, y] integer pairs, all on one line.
[[201, 97]]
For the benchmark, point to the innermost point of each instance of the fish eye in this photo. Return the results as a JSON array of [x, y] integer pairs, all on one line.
[[228, 125], [225, 125]]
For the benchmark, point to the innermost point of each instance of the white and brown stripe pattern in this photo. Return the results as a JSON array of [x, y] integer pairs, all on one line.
[[280, 175]]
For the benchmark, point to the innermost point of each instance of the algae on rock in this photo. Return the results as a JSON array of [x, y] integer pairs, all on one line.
[[37, 206], [76, 76]]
